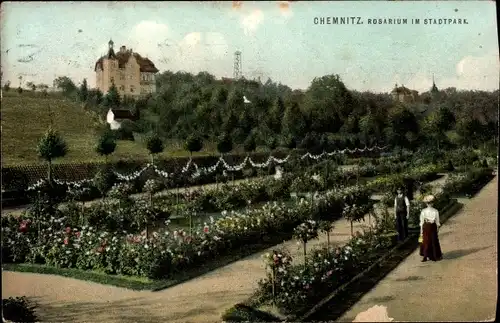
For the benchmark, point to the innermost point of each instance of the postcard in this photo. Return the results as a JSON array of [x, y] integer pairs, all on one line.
[[220, 161]]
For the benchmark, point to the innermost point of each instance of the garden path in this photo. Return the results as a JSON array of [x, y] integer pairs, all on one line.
[[202, 299], [461, 287]]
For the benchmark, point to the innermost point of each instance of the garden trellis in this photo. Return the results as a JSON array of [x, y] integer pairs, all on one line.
[[198, 171]]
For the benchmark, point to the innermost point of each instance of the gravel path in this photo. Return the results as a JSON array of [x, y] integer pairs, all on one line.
[[202, 299], [461, 287]]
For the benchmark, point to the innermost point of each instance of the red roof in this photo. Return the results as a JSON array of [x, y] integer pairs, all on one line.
[[145, 64]]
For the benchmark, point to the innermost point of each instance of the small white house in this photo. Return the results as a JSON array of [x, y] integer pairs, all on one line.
[[116, 116]]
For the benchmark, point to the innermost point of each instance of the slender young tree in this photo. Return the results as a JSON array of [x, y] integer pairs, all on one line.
[[193, 144], [50, 147], [154, 144], [106, 144]]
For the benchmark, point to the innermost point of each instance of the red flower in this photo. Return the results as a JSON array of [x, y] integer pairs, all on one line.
[[23, 227], [66, 240], [68, 230], [205, 229], [77, 234]]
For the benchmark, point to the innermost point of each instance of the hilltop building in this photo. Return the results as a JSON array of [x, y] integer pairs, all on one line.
[[132, 74], [404, 94]]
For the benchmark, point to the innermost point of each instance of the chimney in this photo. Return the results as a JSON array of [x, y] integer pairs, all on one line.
[[123, 49]]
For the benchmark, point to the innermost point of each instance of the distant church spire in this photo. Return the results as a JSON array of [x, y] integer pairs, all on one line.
[[434, 88]]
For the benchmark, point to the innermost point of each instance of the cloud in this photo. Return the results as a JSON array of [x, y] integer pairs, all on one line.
[[251, 22], [202, 51], [145, 36]]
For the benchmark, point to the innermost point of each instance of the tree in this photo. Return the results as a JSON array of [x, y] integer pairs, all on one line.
[[446, 119], [310, 143], [224, 144], [65, 84], [106, 144], [154, 144], [6, 86], [249, 145], [401, 122], [94, 97], [230, 123], [83, 93], [326, 100], [112, 98], [271, 143], [293, 123], [43, 87], [31, 86], [50, 147], [193, 144], [469, 130], [288, 142], [276, 115]]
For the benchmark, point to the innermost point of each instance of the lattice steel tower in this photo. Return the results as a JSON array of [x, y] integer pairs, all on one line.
[[237, 65]]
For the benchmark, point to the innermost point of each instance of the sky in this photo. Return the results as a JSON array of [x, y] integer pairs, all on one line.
[[278, 40]]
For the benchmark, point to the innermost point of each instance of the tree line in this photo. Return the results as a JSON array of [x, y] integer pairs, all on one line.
[[325, 116]]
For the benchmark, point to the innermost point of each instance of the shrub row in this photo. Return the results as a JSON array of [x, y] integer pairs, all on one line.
[[17, 179], [135, 215], [410, 177], [20, 177]]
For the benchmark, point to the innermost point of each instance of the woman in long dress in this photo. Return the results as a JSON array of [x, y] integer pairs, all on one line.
[[429, 226]]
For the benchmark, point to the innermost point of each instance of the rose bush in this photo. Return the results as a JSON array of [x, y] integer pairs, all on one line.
[[300, 286]]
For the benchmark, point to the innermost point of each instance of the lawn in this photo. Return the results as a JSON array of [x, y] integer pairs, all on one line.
[[25, 118]]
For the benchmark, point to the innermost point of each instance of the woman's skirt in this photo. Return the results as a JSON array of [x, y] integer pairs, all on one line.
[[430, 247]]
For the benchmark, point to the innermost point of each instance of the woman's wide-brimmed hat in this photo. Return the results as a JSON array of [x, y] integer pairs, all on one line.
[[428, 198]]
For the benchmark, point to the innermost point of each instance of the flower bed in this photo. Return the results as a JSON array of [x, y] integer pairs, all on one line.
[[134, 215], [392, 182], [165, 253], [295, 288], [468, 183]]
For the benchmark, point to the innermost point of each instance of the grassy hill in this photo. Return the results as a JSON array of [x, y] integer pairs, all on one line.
[[25, 118]]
